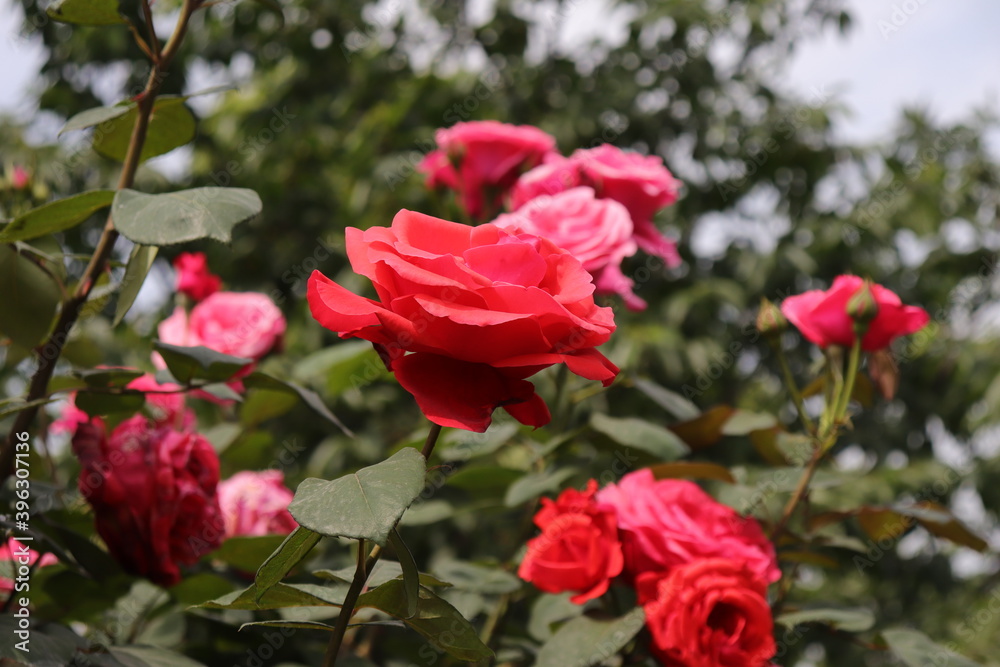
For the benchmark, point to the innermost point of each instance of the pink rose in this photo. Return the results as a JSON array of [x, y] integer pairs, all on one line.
[[708, 613], [823, 319], [478, 309], [485, 159], [598, 232], [666, 523], [153, 491], [241, 324], [163, 401], [578, 549], [21, 555], [193, 277], [256, 503], [20, 178], [557, 174]]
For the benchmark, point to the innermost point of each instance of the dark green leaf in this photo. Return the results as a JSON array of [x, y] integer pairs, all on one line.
[[309, 397], [477, 578], [149, 656], [14, 405], [849, 620], [289, 553], [103, 378], [139, 262], [298, 625], [365, 505], [247, 552], [680, 407], [56, 216], [642, 435], [187, 215], [199, 363], [124, 404], [171, 125], [384, 570], [435, 619], [280, 596], [411, 575], [29, 301], [916, 649], [86, 12], [587, 641], [548, 610]]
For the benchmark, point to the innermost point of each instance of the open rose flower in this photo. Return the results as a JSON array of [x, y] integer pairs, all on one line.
[[481, 160], [640, 183], [669, 522], [823, 319], [18, 555], [598, 232], [193, 277], [709, 613], [256, 503], [153, 491], [241, 324], [578, 549], [477, 309]]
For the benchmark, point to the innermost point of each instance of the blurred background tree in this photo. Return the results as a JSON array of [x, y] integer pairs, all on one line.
[[336, 104]]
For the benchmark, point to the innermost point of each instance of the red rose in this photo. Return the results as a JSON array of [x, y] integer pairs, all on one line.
[[598, 232], [669, 522], [709, 613], [640, 183], [823, 319], [478, 308], [153, 491], [578, 549], [481, 160], [256, 503], [193, 277]]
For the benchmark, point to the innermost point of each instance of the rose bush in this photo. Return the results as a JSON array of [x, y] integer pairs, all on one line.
[[823, 319], [477, 309]]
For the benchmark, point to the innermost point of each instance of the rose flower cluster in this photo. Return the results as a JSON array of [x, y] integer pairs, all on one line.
[[153, 480], [598, 204], [699, 569]]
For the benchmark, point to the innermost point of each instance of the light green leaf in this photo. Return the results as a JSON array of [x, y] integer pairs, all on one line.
[[642, 435], [411, 575], [587, 641], [916, 649], [139, 263], [849, 620], [179, 217], [29, 298], [170, 125], [548, 610], [289, 553], [477, 578], [86, 12], [96, 116], [199, 363], [435, 619], [743, 422], [15, 405], [298, 625], [680, 407], [56, 216], [365, 505], [535, 484]]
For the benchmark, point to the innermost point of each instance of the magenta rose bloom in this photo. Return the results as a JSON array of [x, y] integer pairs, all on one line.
[[598, 232], [578, 549], [193, 277], [481, 160], [241, 324], [153, 491], [256, 503], [465, 314], [666, 523], [709, 613], [823, 319]]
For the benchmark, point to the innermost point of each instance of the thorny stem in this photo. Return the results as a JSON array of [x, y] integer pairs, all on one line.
[[50, 351], [361, 573]]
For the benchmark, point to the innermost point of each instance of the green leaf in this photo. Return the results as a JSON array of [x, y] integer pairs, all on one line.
[[263, 404], [587, 641], [743, 422], [849, 620], [149, 656], [307, 396], [298, 625], [199, 363], [171, 125], [247, 552], [535, 484], [365, 505], [704, 430], [916, 649], [680, 407], [477, 578], [56, 216], [15, 405], [187, 215], [642, 435], [384, 570], [86, 12], [139, 263], [548, 610], [280, 596], [105, 378], [289, 553], [198, 588], [96, 116], [435, 619], [29, 301], [411, 575], [125, 404]]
